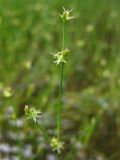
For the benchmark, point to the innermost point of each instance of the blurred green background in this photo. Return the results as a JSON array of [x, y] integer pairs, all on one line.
[[29, 30]]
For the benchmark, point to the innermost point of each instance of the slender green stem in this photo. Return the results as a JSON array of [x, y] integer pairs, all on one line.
[[60, 104], [43, 131], [63, 36], [60, 89]]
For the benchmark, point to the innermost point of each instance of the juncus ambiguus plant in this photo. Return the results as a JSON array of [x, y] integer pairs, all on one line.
[[60, 59]]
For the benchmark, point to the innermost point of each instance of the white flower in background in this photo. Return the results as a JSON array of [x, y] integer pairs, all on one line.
[[89, 28], [80, 43], [27, 64], [113, 14], [7, 92], [103, 62], [106, 73]]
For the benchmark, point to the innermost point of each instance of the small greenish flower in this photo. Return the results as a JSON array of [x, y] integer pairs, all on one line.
[[27, 64], [89, 28], [56, 145], [7, 92], [32, 113], [66, 15], [60, 56]]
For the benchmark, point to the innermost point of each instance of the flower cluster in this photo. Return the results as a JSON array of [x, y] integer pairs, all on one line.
[[56, 145], [32, 113], [66, 15], [60, 56]]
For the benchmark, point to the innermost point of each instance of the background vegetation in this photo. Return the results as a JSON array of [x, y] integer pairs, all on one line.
[[29, 30]]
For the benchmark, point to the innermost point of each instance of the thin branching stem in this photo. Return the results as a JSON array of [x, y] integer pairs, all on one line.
[[60, 89], [43, 131]]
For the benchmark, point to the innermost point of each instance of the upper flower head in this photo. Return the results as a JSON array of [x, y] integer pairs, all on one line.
[[32, 113], [56, 145], [60, 56], [66, 15]]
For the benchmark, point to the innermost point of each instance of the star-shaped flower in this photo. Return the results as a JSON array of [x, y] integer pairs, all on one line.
[[66, 15], [60, 56], [32, 113], [56, 145]]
